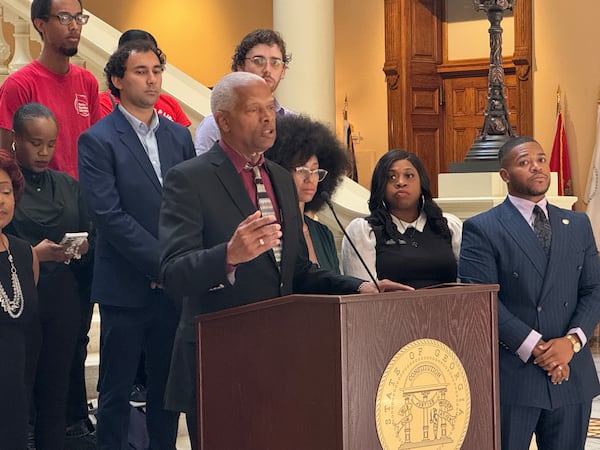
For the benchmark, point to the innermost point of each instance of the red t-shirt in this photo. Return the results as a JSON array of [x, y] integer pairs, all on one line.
[[72, 97], [165, 106]]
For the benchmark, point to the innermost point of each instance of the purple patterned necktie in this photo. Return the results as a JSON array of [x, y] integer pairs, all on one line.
[[541, 227]]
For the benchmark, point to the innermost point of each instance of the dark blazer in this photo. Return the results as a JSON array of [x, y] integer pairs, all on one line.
[[124, 194], [204, 200], [550, 295]]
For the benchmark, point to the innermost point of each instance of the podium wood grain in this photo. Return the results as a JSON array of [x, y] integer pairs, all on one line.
[[302, 372]]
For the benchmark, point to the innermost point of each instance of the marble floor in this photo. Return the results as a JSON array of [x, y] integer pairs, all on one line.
[[594, 443], [183, 441]]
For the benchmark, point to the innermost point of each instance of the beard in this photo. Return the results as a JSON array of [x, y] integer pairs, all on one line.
[[68, 51], [532, 191]]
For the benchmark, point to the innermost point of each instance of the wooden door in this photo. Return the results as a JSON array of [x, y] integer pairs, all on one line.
[[465, 100], [425, 91], [414, 86]]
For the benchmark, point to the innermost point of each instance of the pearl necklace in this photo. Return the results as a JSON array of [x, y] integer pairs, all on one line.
[[13, 307]]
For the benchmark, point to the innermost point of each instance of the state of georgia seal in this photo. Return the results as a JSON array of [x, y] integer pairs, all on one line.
[[423, 400]]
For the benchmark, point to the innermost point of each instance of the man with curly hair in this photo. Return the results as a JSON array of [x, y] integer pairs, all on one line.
[[263, 53]]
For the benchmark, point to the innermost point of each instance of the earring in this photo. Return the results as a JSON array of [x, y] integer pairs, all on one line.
[[422, 202], [14, 150]]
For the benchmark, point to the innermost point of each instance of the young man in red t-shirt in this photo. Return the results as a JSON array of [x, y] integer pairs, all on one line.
[[69, 91]]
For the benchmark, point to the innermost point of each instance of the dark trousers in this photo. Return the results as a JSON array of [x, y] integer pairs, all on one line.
[[126, 333], [13, 394], [559, 429], [191, 420], [77, 396], [59, 325]]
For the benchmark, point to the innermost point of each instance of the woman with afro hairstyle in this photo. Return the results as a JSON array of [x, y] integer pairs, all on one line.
[[317, 162], [406, 238]]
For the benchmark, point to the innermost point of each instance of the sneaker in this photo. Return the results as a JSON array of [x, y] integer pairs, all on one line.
[[137, 397], [80, 436]]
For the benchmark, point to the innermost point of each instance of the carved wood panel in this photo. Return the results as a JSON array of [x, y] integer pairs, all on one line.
[[465, 103], [417, 76]]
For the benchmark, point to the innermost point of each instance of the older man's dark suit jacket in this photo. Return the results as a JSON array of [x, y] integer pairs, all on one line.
[[204, 200], [551, 295]]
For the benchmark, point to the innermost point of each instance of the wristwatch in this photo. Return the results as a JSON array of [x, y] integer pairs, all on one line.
[[575, 342]]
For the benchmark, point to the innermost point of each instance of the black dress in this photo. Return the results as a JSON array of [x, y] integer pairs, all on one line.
[[13, 348], [51, 205], [418, 259]]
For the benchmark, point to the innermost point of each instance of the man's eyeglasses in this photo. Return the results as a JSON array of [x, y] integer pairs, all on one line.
[[261, 61], [307, 174], [65, 18]]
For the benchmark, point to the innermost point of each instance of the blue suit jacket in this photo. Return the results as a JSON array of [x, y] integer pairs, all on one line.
[[549, 294], [124, 195]]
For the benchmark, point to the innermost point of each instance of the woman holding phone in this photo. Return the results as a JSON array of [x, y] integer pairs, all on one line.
[[51, 206]]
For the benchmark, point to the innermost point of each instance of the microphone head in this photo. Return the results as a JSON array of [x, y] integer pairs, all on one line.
[[325, 196]]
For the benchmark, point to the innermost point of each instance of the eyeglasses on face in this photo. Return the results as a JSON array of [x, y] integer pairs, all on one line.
[[261, 61], [64, 18], [306, 173]]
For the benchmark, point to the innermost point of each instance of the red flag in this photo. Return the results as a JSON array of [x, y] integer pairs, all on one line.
[[559, 161]]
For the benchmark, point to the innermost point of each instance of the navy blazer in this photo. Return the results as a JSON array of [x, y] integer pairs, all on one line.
[[549, 294], [204, 200], [124, 195]]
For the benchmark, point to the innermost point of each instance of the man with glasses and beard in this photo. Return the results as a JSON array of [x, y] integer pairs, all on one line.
[[71, 93], [261, 52]]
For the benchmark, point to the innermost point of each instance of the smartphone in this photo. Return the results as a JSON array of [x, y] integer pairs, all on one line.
[[73, 241]]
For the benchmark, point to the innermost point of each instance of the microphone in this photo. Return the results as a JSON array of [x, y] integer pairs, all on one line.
[[327, 197]]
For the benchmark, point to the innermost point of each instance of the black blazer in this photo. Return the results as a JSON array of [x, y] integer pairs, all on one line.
[[204, 200]]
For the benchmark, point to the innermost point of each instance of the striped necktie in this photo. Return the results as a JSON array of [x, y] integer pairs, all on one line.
[[265, 205], [541, 227]]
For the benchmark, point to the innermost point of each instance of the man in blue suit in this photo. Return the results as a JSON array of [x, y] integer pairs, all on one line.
[[122, 162], [545, 260]]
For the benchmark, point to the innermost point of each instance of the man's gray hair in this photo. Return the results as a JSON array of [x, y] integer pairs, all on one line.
[[224, 96]]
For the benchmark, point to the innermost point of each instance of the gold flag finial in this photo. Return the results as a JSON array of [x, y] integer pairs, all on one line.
[[558, 100]]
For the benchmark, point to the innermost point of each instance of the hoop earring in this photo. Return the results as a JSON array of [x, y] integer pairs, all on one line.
[[12, 147], [422, 203]]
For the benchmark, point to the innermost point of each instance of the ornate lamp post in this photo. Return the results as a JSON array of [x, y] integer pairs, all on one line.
[[496, 126]]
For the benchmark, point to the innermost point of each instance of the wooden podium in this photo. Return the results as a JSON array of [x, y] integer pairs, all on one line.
[[302, 372]]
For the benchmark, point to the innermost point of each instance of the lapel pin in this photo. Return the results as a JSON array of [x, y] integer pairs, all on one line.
[[565, 221]]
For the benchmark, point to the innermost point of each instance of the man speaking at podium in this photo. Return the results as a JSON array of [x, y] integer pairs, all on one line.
[[230, 229], [545, 260]]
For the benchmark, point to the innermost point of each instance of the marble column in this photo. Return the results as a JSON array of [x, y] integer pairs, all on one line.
[[307, 27]]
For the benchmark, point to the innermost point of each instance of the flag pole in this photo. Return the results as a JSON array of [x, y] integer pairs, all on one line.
[[345, 110], [558, 100]]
